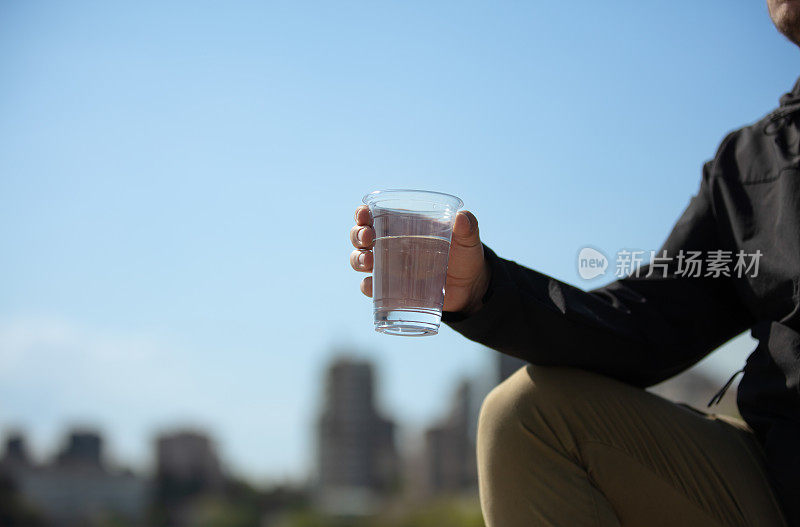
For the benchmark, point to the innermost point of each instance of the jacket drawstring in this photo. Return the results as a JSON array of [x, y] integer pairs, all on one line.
[[721, 393]]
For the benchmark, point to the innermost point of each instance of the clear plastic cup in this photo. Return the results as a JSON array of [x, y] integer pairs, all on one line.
[[412, 246]]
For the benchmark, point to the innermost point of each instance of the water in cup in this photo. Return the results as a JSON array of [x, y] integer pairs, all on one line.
[[412, 246]]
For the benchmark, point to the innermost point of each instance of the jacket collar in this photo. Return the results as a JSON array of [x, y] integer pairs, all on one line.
[[793, 96]]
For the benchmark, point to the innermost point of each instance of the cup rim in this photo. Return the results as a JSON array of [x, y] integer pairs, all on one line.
[[376, 195]]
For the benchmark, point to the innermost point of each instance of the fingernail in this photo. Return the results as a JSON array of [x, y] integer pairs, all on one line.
[[470, 220], [360, 235], [361, 259]]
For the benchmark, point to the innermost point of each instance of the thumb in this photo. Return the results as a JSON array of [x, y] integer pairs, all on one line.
[[465, 230]]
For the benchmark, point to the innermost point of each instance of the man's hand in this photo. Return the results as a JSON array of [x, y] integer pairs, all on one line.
[[467, 271]]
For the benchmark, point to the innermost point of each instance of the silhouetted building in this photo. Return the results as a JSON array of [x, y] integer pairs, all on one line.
[[84, 449], [186, 466], [15, 455], [450, 447], [77, 488], [357, 459], [14, 510], [189, 456], [187, 469]]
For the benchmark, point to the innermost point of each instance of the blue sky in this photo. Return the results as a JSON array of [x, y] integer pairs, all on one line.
[[177, 183]]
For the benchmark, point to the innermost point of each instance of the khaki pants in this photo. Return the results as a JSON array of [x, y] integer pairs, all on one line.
[[563, 447]]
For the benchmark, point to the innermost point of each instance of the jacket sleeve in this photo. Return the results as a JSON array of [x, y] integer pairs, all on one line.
[[641, 330]]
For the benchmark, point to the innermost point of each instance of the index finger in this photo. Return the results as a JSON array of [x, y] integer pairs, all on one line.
[[363, 216]]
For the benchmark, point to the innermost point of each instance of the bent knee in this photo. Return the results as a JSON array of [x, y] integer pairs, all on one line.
[[529, 398], [530, 384], [505, 398], [504, 407]]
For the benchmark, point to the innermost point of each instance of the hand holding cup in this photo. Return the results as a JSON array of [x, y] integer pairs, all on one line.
[[412, 247]]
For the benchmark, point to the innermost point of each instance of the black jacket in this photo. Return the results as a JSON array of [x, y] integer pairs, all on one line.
[[643, 330]]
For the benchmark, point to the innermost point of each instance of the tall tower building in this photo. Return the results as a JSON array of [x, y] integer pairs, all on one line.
[[356, 454]]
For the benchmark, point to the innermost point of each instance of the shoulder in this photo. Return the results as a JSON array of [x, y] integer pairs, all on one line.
[[756, 153]]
